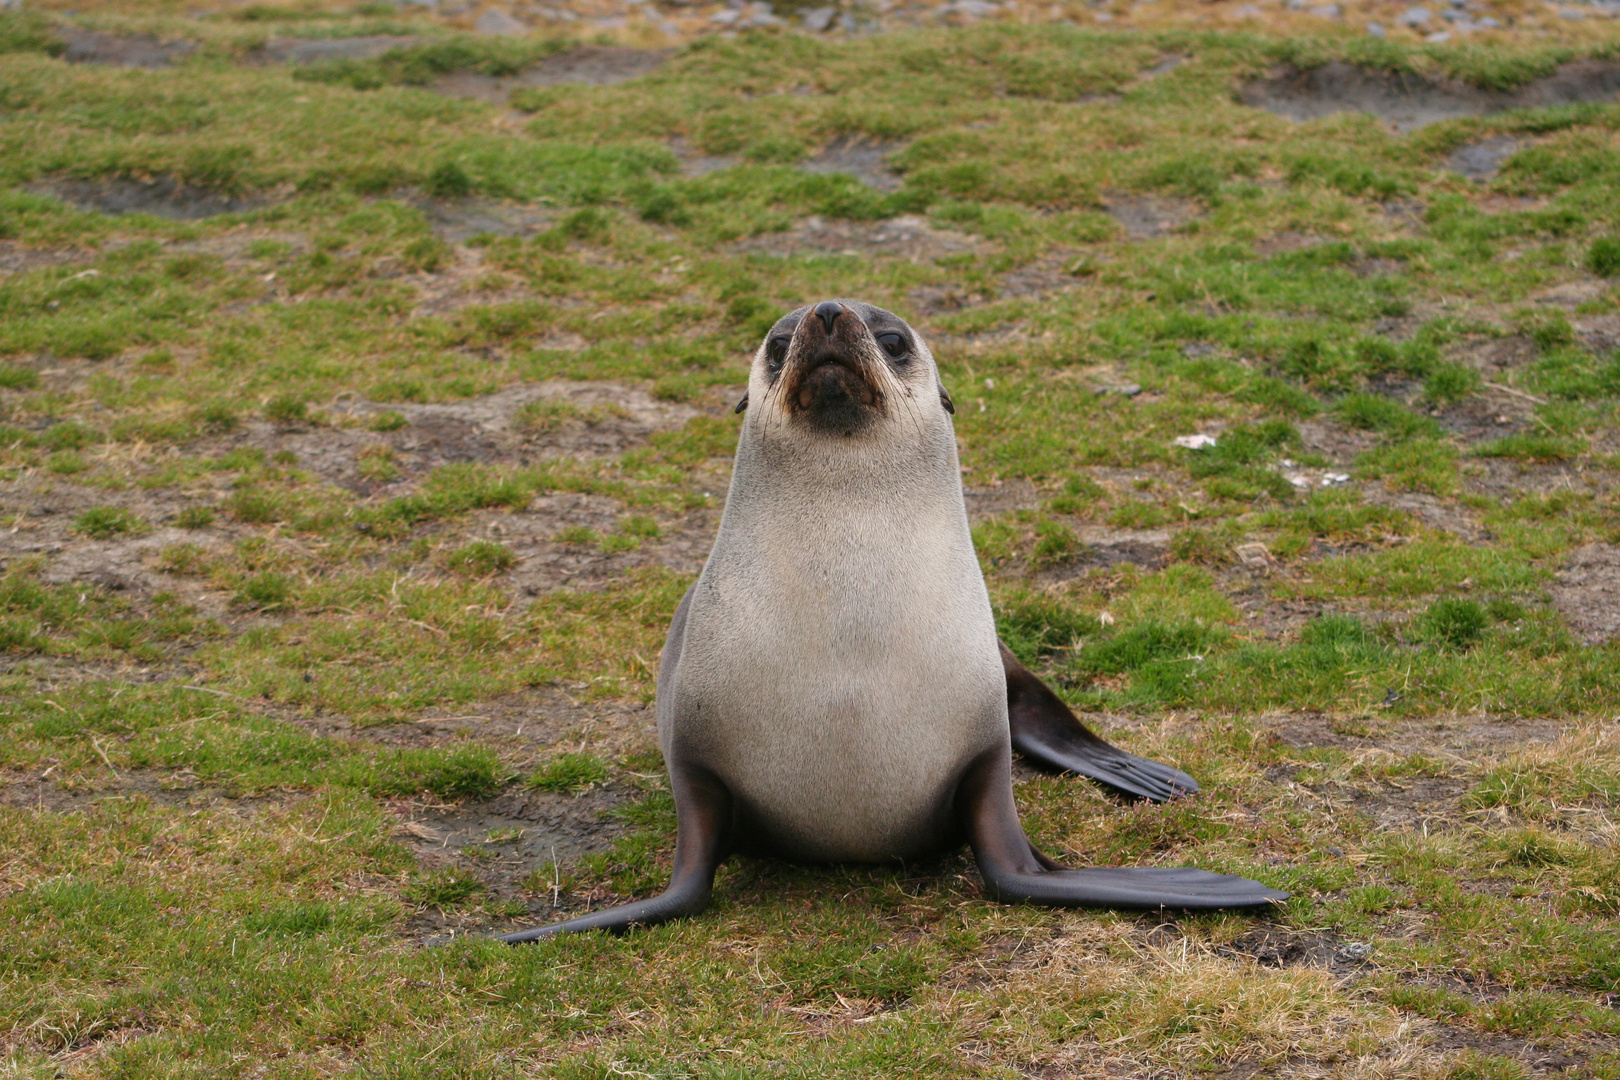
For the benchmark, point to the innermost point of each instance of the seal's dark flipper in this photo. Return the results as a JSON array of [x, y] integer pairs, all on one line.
[[1047, 732], [703, 821], [703, 815], [1013, 870]]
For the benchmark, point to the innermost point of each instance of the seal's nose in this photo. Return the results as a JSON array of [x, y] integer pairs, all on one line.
[[828, 312]]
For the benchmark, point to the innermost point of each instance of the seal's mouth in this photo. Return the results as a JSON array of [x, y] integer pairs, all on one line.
[[831, 373]]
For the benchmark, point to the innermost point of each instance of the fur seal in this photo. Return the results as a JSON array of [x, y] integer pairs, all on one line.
[[832, 688]]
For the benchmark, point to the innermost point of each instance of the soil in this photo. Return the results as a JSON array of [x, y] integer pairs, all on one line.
[[866, 161], [1481, 160], [1147, 217], [38, 790], [162, 197], [302, 51], [594, 65], [613, 419], [1408, 101], [459, 220], [907, 237], [544, 827], [1587, 592], [115, 50]]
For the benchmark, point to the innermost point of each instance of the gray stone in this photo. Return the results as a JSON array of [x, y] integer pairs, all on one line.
[[1328, 11], [817, 20], [1488, 23], [1377, 30], [498, 23], [1414, 16]]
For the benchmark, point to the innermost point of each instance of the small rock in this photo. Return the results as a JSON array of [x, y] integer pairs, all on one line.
[[725, 18], [1438, 37], [498, 23], [1129, 389], [1247, 11], [1488, 23], [1336, 851], [1328, 11], [1356, 950], [1414, 16], [1254, 554], [817, 20], [1194, 349], [1571, 14], [431, 5], [1377, 30], [1194, 442], [1331, 478]]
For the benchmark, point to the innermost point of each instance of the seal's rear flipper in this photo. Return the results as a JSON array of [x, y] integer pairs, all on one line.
[[702, 842], [1047, 732], [1013, 870]]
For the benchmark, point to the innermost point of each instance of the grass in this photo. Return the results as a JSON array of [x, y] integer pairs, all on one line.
[[290, 583]]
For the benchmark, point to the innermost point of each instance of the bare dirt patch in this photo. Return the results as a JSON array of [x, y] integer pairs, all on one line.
[[162, 197], [460, 220], [593, 65], [1463, 736], [908, 237], [1147, 217], [40, 790], [601, 419], [307, 51], [121, 50], [1587, 591], [1408, 101], [1482, 160], [866, 161], [1435, 513], [518, 830]]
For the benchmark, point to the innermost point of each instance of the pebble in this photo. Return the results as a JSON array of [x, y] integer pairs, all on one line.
[[1438, 37], [1328, 11], [1414, 16], [1377, 30], [819, 19], [498, 23]]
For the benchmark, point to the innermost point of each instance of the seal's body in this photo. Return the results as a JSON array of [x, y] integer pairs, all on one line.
[[840, 662], [832, 688]]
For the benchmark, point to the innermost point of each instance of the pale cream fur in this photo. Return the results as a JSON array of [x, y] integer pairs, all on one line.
[[838, 669]]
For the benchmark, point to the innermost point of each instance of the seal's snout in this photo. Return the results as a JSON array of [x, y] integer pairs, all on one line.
[[828, 312], [830, 371]]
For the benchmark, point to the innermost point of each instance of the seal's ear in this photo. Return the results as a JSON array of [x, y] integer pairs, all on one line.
[[945, 400], [743, 404]]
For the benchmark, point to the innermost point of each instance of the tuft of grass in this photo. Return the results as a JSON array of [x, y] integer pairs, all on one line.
[[106, 522], [286, 409], [568, 773], [1603, 258], [481, 558]]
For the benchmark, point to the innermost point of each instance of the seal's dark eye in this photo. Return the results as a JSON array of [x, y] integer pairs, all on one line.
[[776, 350], [894, 344]]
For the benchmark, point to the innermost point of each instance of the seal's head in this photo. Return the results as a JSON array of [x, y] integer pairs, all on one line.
[[840, 367]]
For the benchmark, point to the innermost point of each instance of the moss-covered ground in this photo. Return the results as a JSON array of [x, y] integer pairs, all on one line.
[[349, 480]]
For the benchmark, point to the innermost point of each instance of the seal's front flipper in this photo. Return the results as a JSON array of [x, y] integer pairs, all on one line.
[[1047, 732], [703, 840], [1013, 870]]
